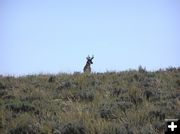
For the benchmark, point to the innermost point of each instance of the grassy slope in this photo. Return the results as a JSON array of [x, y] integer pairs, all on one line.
[[102, 103]]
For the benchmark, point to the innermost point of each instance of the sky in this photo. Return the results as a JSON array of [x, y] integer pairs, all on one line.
[[52, 36]]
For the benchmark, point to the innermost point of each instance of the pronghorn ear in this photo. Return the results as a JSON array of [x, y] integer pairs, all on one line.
[[92, 57]]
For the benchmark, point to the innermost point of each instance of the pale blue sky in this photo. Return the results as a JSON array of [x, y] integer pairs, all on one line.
[[40, 36]]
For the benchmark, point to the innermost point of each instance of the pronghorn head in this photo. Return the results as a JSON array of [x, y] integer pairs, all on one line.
[[87, 67], [89, 60]]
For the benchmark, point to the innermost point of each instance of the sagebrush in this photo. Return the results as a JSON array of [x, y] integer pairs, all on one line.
[[134, 101]]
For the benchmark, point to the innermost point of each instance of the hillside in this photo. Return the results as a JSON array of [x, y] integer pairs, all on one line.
[[134, 101]]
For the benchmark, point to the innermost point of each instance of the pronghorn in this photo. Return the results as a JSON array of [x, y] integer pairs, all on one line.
[[87, 67]]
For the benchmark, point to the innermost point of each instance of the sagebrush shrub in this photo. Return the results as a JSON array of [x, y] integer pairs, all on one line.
[[84, 95], [70, 128]]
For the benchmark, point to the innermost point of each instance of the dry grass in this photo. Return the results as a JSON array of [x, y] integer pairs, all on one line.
[[100, 103]]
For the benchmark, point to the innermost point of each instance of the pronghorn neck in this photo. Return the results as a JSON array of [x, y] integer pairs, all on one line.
[[87, 67]]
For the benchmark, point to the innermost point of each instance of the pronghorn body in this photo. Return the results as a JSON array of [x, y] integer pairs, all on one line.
[[87, 67]]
